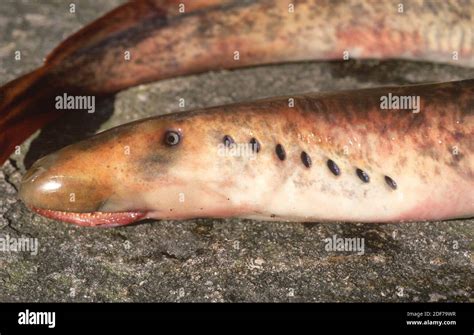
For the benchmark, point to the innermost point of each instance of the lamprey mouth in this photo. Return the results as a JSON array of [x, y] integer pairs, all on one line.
[[93, 219]]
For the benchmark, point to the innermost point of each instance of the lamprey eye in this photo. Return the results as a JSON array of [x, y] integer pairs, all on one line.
[[172, 138]]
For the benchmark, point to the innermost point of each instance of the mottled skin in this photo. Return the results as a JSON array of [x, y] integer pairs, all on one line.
[[163, 43], [131, 169]]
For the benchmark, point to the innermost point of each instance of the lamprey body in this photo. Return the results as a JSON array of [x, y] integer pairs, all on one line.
[[318, 157]]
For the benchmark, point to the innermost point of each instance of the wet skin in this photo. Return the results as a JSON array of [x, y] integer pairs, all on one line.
[[331, 157], [166, 42]]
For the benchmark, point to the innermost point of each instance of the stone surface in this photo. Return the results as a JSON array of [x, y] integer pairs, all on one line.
[[213, 260]]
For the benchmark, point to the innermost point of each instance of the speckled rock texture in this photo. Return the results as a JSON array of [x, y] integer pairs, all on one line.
[[212, 260]]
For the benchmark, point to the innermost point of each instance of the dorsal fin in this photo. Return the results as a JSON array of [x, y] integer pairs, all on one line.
[[122, 18]]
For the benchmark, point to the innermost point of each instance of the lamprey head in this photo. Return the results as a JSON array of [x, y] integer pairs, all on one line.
[[167, 167]]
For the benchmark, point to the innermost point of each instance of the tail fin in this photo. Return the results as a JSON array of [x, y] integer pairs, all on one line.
[[27, 104]]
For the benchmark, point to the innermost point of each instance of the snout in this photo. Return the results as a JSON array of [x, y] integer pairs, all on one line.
[[59, 188], [51, 184]]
